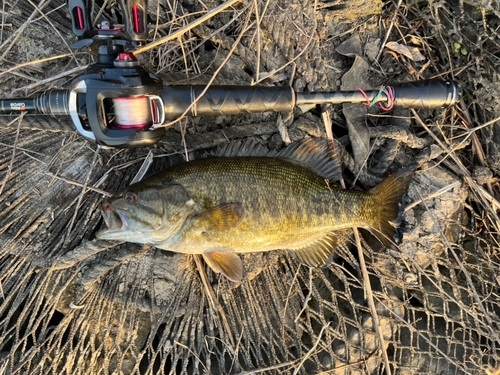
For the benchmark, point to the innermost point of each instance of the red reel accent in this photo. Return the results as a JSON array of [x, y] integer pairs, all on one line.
[[123, 56], [135, 9], [80, 18], [135, 98], [143, 126]]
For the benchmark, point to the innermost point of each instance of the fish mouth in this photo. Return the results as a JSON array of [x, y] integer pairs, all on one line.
[[115, 220]]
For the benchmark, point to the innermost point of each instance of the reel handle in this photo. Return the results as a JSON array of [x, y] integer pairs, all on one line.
[[427, 94], [79, 11], [135, 14]]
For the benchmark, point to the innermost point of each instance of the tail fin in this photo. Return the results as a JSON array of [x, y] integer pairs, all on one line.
[[388, 197]]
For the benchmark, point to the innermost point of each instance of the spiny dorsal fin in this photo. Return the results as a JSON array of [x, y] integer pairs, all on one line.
[[321, 155], [249, 147], [317, 253], [229, 264], [225, 216]]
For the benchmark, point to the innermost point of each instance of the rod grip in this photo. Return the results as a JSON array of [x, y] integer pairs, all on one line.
[[233, 100], [226, 100], [426, 94]]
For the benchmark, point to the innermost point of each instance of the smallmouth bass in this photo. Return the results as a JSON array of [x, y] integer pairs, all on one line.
[[250, 199]]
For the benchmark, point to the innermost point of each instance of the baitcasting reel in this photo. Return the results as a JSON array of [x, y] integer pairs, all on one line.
[[116, 102]]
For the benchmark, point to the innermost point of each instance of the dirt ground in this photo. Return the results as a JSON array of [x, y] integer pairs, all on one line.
[[70, 303]]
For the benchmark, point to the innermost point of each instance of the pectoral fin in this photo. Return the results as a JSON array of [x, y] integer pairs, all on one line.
[[226, 216], [229, 264], [317, 253]]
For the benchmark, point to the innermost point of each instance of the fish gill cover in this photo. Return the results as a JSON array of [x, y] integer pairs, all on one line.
[[71, 303]]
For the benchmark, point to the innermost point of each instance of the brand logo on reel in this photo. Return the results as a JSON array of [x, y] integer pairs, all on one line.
[[17, 106]]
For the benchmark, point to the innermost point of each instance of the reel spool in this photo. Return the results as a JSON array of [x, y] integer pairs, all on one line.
[[138, 113]]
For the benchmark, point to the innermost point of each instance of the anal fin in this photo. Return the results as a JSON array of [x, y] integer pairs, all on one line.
[[317, 253], [229, 264]]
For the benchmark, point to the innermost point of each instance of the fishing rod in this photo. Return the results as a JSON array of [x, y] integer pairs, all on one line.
[[116, 102]]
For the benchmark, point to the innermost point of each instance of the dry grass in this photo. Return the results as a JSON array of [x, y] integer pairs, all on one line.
[[285, 306]]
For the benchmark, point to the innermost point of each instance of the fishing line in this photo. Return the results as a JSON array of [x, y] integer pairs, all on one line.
[[387, 91]]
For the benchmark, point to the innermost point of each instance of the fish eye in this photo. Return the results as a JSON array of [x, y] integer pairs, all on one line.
[[130, 197]]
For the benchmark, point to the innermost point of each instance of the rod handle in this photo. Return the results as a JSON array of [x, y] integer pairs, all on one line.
[[426, 94], [226, 100]]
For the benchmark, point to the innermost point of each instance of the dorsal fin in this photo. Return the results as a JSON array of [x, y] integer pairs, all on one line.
[[322, 156], [317, 253], [249, 147]]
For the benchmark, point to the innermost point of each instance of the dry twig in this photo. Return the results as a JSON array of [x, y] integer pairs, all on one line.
[[308, 297], [55, 29], [194, 354], [275, 367], [76, 183], [382, 46], [211, 295], [80, 198], [101, 10], [13, 153], [311, 37], [14, 37], [41, 60], [371, 302], [78, 69], [245, 28], [308, 354], [256, 7], [188, 27], [2, 25], [433, 195], [290, 290], [50, 12], [460, 167], [22, 75]]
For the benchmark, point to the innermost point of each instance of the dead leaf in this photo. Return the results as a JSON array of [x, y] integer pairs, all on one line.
[[416, 40], [411, 52]]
